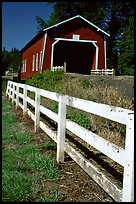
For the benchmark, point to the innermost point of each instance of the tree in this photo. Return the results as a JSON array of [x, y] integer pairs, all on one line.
[[5, 61], [93, 11], [41, 23], [126, 50], [15, 57], [116, 21]]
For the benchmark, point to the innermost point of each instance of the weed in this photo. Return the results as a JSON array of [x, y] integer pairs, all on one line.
[[85, 83], [53, 196], [48, 145], [80, 118]]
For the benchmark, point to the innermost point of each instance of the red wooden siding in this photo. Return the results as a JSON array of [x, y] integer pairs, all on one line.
[[28, 55]]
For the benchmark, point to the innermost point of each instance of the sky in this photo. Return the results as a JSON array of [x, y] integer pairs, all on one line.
[[19, 25]]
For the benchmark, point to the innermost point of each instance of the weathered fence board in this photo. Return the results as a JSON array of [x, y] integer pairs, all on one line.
[[116, 114], [99, 177], [124, 157], [49, 113], [111, 150]]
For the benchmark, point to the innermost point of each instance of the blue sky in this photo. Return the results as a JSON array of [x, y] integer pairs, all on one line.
[[18, 22]]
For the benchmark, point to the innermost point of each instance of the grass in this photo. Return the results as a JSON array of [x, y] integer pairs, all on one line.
[[23, 165]]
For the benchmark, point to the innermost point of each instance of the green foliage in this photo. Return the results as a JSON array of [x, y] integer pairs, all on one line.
[[15, 56], [45, 80], [45, 164], [48, 145], [41, 23], [81, 119], [53, 196], [5, 61], [126, 46], [10, 60]]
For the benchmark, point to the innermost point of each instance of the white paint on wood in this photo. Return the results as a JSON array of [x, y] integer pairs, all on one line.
[[49, 113], [105, 52], [37, 110], [61, 128], [128, 179], [111, 150], [25, 100], [75, 40], [48, 131], [20, 105], [96, 56], [116, 114], [52, 53], [21, 95], [7, 89], [17, 96], [21, 85], [31, 88], [100, 178], [32, 116], [48, 94], [13, 92], [31, 101]]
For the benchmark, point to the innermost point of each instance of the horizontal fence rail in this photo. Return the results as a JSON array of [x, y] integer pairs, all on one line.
[[18, 92], [103, 72]]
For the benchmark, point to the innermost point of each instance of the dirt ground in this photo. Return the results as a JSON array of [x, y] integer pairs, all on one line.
[[74, 184]]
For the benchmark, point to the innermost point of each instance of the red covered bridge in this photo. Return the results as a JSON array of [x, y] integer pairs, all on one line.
[[76, 41]]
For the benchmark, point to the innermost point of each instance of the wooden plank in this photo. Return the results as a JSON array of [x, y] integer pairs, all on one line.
[[61, 128], [100, 178], [31, 114], [48, 131], [21, 85], [49, 113], [116, 114], [31, 88], [31, 101], [20, 105], [111, 150], [51, 95], [21, 95]]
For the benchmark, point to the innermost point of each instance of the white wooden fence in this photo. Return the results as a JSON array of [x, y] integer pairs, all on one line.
[[124, 157], [59, 68], [103, 72]]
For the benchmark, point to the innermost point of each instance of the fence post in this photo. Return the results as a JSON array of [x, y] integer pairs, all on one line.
[[128, 177], [13, 92], [65, 67], [113, 72], [10, 90], [61, 128], [25, 100], [37, 110], [7, 89], [17, 95]]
